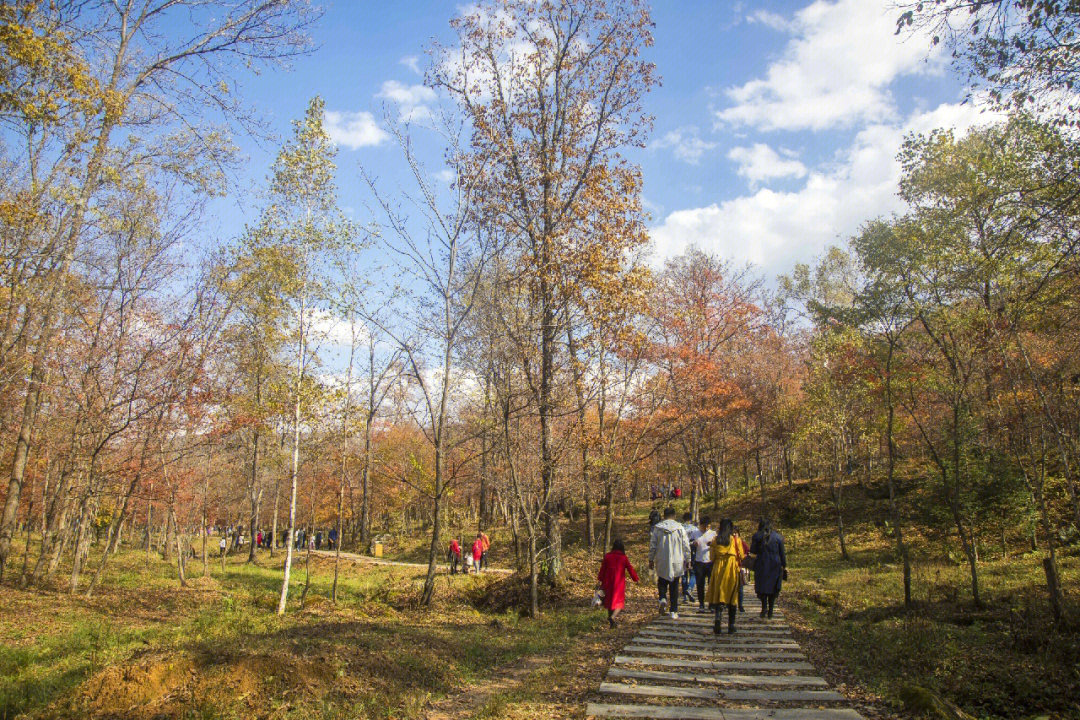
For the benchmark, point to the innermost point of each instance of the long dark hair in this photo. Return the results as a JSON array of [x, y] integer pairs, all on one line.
[[726, 529], [617, 546]]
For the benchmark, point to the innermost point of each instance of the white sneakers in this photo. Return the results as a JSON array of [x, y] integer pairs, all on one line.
[[674, 616]]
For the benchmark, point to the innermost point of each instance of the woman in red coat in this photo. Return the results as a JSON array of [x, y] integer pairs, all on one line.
[[612, 579]]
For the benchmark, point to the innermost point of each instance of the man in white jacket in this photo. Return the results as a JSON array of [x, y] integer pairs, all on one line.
[[669, 554]]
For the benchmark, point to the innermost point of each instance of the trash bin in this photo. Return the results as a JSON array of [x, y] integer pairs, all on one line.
[[378, 549]]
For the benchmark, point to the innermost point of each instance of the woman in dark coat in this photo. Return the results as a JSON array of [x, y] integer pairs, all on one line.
[[770, 565]]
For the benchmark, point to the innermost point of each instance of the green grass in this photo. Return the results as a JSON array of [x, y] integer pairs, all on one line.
[[1004, 660], [376, 654]]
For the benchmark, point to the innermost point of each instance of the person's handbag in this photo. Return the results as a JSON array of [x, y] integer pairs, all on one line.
[[598, 598], [747, 562], [785, 574], [744, 576]]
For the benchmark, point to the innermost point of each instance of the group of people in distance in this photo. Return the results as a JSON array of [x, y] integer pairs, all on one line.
[[718, 560], [475, 561], [301, 539]]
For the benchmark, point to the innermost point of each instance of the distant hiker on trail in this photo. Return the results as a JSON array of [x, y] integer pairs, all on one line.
[[689, 580], [702, 560], [221, 546], [485, 544], [318, 540], [332, 539], [478, 551], [453, 555], [770, 565], [259, 539], [612, 580], [669, 553], [744, 572]]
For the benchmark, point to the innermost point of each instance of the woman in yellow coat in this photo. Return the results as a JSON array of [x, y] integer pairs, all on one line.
[[726, 554]]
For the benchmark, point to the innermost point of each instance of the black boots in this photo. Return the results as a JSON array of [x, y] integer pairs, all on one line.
[[718, 623]]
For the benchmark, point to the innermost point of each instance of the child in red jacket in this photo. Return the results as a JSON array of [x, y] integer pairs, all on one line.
[[612, 580]]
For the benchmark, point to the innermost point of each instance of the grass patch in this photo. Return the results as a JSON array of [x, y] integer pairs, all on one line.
[[1007, 659], [146, 648]]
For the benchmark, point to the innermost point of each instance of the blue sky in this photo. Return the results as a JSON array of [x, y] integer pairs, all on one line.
[[776, 126]]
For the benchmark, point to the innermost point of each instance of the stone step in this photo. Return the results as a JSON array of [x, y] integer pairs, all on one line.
[[735, 665], [707, 620], [659, 691], [785, 654], [713, 679], [755, 622], [669, 712], [750, 628], [790, 714], [750, 616], [658, 712], [759, 696], [724, 641], [749, 696], [739, 637]]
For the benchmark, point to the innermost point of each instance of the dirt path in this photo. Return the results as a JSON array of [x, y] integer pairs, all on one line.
[[369, 560]]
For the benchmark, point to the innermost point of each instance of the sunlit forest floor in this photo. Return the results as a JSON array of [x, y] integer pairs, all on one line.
[[1007, 659], [145, 648]]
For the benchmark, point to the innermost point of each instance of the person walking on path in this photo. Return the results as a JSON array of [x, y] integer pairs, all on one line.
[[702, 560], [612, 580], [689, 579], [454, 555], [669, 554], [485, 543], [770, 565], [744, 572], [478, 551], [726, 554]]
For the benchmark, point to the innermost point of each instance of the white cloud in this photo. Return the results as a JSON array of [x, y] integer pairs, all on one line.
[[354, 130], [412, 62], [333, 330], [771, 20], [774, 230], [760, 163], [685, 144], [834, 72], [412, 100]]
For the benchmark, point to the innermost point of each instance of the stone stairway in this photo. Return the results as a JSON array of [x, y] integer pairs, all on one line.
[[680, 670]]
